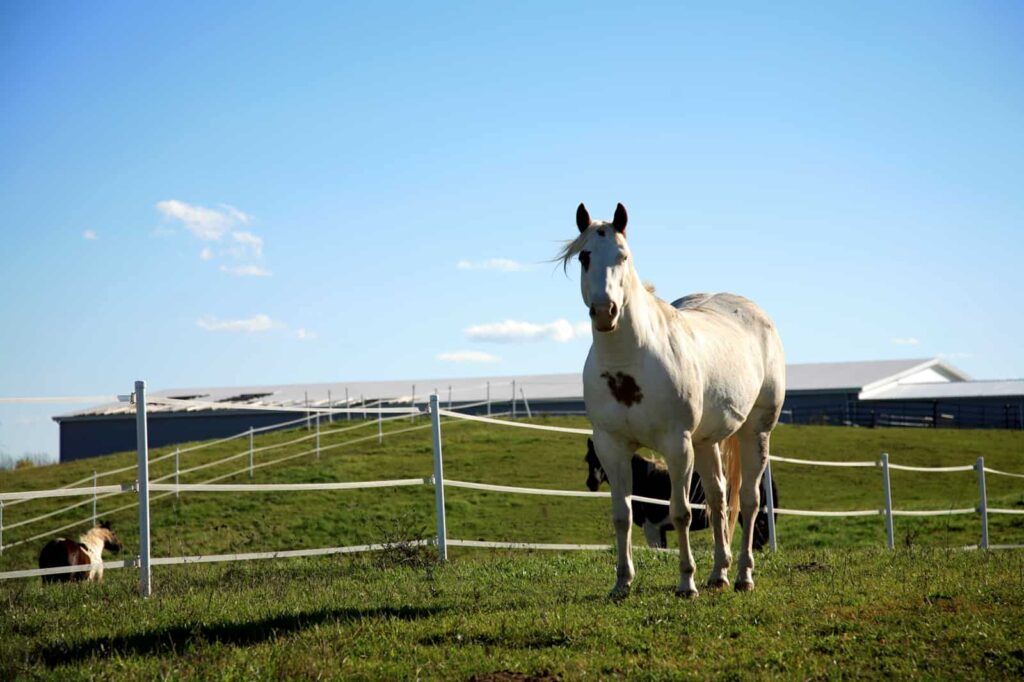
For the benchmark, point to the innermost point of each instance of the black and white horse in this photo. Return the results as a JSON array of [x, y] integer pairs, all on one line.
[[651, 479]]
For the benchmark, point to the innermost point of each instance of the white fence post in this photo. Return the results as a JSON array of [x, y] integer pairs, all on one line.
[[513, 398], [766, 481], [1, 527], [526, 403], [380, 424], [251, 472], [412, 403], [890, 537], [330, 406], [435, 424], [488, 399], [318, 435], [348, 407], [93, 498], [983, 497], [308, 425], [177, 472], [142, 443], [362, 399]]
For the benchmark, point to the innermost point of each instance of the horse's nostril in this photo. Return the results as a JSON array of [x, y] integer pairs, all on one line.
[[611, 309]]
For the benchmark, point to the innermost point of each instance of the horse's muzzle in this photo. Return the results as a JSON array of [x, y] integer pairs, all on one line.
[[604, 315]]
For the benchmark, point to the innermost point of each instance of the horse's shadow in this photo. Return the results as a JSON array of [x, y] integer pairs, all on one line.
[[175, 638]]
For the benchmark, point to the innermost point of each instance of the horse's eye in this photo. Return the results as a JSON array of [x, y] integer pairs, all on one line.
[[585, 259]]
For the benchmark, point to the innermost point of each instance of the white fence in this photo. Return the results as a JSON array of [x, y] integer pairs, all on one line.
[[143, 486]]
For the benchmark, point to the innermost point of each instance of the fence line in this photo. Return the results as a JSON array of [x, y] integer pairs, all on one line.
[[145, 485], [21, 497]]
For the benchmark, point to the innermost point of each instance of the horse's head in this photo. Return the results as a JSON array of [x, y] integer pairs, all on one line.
[[595, 473], [606, 272], [110, 541]]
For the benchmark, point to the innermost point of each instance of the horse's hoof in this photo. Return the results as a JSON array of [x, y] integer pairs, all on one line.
[[719, 584], [687, 593], [744, 586], [619, 593]]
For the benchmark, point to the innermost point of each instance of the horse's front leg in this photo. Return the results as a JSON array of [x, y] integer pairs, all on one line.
[[679, 456], [615, 460]]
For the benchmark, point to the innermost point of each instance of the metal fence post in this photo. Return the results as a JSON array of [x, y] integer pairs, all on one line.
[[983, 497], [330, 406], [94, 498], [362, 400], [177, 472], [890, 536], [251, 472], [526, 403], [435, 424], [412, 403], [488, 399], [1, 527], [513, 398], [348, 407], [380, 425], [308, 425], [766, 481], [318, 435], [142, 443]]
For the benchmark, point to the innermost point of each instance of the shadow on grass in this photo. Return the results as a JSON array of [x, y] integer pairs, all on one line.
[[178, 638]]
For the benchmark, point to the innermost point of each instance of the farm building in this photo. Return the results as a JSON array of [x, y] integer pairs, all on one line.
[[925, 393]]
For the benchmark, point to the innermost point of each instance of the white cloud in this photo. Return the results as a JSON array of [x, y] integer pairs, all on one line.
[[213, 225], [257, 323], [89, 235], [236, 214], [467, 356], [205, 223], [514, 331], [501, 264], [250, 245], [303, 334], [906, 341], [245, 270]]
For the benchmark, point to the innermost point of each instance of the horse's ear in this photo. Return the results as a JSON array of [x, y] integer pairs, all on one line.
[[620, 219], [105, 524], [582, 217]]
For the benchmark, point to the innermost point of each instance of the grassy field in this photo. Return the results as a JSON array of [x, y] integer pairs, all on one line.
[[831, 603]]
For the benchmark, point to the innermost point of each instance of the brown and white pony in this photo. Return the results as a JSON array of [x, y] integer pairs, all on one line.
[[88, 549]]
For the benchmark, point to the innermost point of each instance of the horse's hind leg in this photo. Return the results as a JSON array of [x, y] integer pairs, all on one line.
[[708, 463], [754, 439]]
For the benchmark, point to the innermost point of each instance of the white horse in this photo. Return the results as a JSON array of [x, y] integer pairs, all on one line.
[[680, 379]]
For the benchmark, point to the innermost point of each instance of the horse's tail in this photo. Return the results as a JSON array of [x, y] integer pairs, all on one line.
[[733, 478]]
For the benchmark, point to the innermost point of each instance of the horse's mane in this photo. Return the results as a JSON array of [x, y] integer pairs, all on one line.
[[572, 247]]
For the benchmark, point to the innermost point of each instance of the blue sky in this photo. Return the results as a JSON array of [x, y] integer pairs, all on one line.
[[217, 193]]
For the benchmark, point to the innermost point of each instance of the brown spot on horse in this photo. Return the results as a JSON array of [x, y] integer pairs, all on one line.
[[624, 388]]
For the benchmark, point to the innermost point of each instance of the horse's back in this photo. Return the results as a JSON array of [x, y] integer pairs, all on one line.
[[60, 553], [736, 332]]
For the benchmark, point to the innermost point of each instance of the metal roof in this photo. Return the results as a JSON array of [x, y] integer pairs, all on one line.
[[828, 376], [853, 376], [1008, 388]]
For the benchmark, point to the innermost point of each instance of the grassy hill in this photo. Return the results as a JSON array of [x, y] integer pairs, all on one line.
[[830, 603]]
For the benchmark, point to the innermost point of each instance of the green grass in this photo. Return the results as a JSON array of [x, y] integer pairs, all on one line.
[[831, 603]]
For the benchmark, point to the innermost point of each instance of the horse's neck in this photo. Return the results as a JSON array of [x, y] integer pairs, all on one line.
[[93, 541], [640, 324]]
